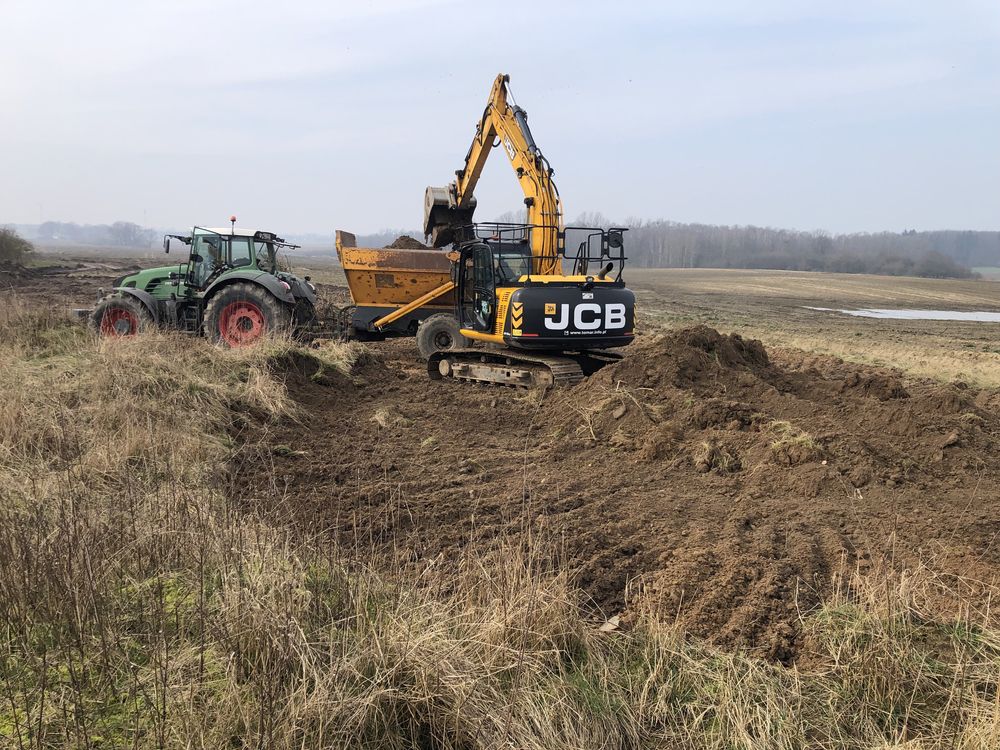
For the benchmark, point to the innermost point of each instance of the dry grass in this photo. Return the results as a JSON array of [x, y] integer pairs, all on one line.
[[791, 445], [709, 455], [143, 606], [837, 289], [388, 419], [931, 358], [772, 306]]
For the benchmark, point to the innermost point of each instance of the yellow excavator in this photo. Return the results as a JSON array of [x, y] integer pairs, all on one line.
[[544, 301]]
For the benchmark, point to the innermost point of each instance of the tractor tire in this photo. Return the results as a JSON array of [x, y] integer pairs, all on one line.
[[118, 316], [243, 313], [439, 333]]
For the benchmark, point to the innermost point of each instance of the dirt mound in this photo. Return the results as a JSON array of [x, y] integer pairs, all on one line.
[[405, 242], [700, 475]]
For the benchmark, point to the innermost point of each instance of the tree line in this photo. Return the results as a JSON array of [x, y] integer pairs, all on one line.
[[119, 234], [938, 254], [670, 244]]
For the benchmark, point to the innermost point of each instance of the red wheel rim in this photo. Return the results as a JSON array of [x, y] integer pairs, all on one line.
[[117, 321], [241, 323]]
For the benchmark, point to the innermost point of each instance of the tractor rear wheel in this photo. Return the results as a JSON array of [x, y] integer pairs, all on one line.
[[120, 316], [241, 314], [439, 333]]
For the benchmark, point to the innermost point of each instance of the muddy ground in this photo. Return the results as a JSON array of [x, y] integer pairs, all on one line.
[[67, 281], [720, 480]]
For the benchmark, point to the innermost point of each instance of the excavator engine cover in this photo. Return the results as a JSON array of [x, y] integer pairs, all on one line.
[[550, 316]]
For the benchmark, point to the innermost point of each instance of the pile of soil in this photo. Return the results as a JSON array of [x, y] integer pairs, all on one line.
[[701, 475], [405, 242]]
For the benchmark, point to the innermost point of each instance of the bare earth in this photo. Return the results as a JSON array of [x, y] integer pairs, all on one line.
[[721, 479]]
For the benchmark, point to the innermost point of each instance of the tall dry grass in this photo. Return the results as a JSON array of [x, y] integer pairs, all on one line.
[[142, 605]]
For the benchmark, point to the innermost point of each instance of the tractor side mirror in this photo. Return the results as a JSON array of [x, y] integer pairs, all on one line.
[[195, 258], [166, 244]]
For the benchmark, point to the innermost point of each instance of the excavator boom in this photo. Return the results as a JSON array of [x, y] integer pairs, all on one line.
[[503, 124]]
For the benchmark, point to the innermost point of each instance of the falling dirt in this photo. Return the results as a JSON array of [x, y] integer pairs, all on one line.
[[405, 242], [702, 475]]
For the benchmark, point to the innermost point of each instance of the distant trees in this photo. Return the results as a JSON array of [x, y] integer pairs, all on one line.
[[944, 254], [13, 248], [121, 233], [127, 234], [669, 244]]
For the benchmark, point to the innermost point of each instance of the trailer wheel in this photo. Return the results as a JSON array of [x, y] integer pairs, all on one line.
[[241, 314], [120, 316], [439, 333]]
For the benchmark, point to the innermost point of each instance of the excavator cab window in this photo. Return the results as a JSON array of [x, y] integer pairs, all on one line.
[[478, 288], [511, 262]]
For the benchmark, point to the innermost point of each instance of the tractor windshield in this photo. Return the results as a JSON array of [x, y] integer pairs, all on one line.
[[267, 259], [208, 252]]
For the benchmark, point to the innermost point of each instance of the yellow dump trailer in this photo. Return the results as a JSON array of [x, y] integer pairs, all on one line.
[[394, 288]]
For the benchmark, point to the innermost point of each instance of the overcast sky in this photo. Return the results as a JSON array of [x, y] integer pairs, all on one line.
[[311, 116]]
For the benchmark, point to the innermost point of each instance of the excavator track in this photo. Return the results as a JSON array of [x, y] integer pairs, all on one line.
[[517, 369]]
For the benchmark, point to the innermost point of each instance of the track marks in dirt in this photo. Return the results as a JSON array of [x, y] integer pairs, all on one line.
[[719, 483]]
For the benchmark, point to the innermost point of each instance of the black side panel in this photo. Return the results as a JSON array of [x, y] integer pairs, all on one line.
[[571, 318], [365, 315], [301, 290]]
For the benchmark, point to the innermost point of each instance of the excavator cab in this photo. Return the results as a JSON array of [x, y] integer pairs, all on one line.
[[504, 301], [477, 285], [540, 329], [484, 266]]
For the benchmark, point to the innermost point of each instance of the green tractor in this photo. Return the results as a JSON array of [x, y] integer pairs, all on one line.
[[229, 288]]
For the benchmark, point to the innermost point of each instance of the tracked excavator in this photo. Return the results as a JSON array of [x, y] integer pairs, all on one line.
[[533, 304]]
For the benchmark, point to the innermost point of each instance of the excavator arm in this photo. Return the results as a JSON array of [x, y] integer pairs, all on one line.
[[503, 124]]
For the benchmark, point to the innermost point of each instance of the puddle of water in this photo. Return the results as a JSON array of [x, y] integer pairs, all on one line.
[[876, 312]]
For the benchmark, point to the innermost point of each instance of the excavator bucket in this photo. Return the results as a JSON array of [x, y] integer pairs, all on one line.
[[442, 216]]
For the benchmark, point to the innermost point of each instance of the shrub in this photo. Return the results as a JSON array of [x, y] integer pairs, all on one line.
[[13, 247]]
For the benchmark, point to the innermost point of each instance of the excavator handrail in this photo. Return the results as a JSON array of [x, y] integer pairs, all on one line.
[[610, 247]]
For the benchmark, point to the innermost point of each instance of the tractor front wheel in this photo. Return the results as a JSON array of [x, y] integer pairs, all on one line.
[[241, 314], [120, 316]]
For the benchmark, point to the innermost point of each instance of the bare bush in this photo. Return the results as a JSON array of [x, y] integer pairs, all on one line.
[[14, 249]]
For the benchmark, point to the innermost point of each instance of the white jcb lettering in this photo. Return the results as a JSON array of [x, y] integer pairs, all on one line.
[[587, 316], [563, 321], [614, 315], [511, 152], [587, 325]]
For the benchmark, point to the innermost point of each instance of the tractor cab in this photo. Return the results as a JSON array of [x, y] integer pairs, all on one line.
[[213, 252]]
